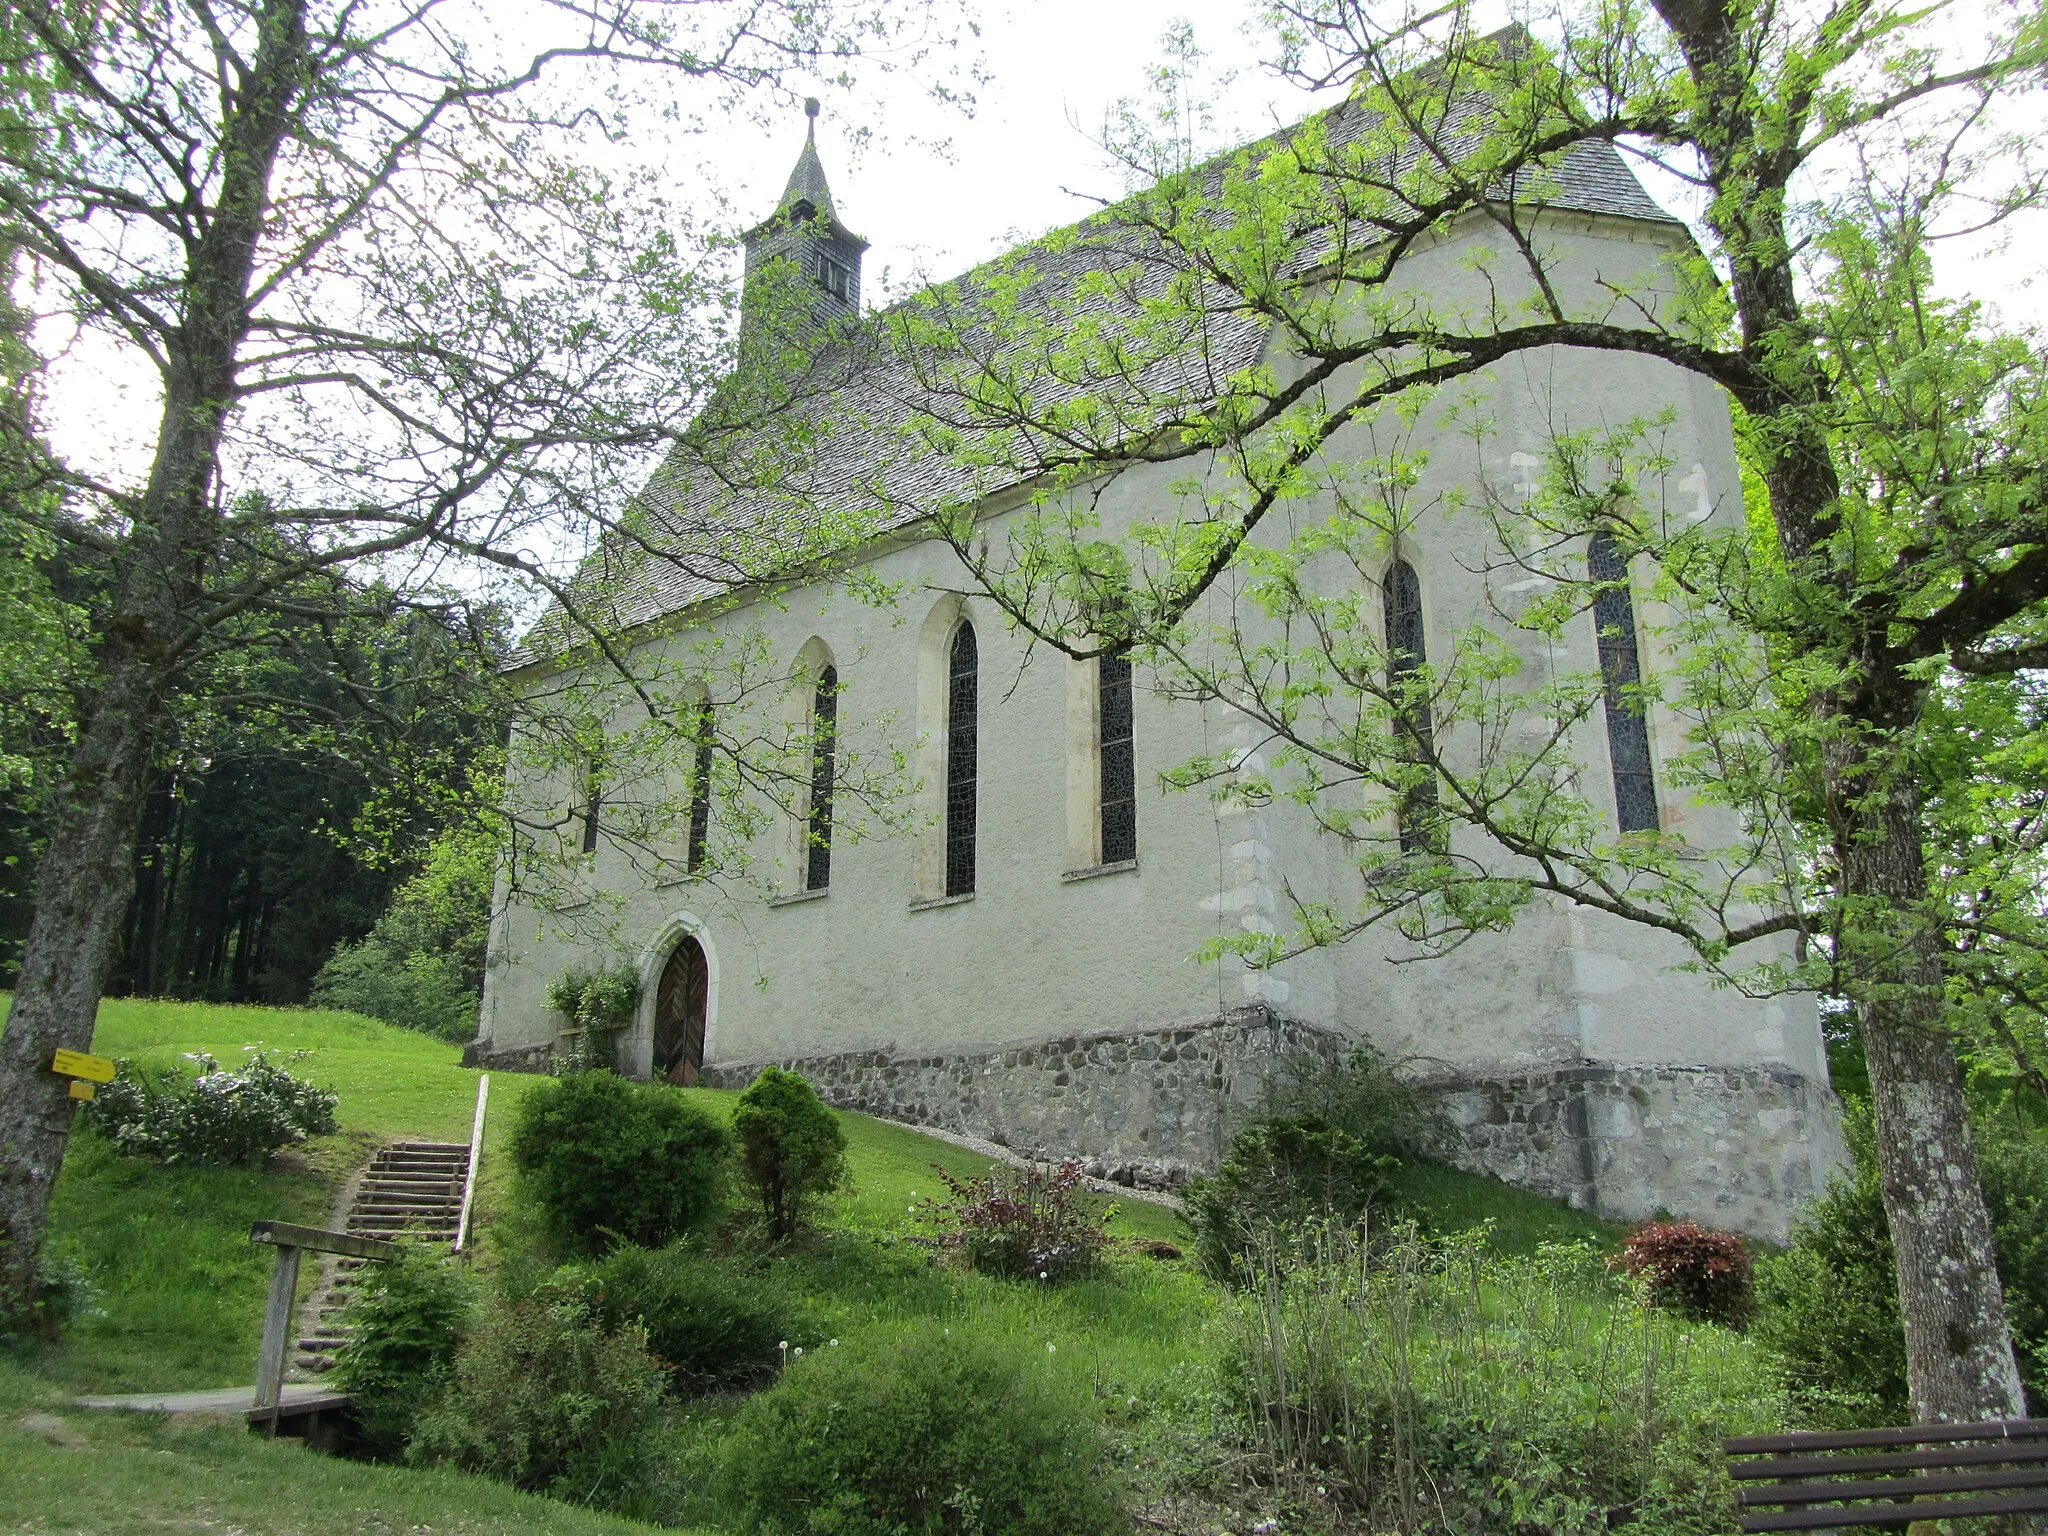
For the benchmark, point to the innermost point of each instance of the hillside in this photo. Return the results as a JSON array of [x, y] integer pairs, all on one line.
[[177, 1291]]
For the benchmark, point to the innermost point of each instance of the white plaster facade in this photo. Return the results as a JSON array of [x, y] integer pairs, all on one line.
[[1666, 1093]]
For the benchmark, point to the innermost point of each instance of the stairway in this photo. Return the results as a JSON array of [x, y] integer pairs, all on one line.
[[411, 1189]]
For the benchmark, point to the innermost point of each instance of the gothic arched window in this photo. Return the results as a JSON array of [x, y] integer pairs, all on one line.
[[1118, 766], [1419, 824], [700, 790], [1621, 671], [962, 760], [824, 734]]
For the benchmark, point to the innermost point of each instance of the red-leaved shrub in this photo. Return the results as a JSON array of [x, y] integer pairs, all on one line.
[[1692, 1269], [1024, 1223]]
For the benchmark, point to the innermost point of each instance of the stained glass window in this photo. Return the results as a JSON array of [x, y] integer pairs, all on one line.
[[824, 734], [962, 754], [1119, 769], [1420, 825], [700, 790], [593, 803], [1628, 733]]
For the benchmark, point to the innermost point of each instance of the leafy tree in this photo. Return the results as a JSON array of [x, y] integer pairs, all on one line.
[[421, 966], [1853, 653], [404, 333]]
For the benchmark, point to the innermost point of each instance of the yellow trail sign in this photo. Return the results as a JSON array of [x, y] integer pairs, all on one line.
[[80, 1088], [94, 1069]]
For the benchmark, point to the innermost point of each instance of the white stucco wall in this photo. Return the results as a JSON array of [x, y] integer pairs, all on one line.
[[1035, 954]]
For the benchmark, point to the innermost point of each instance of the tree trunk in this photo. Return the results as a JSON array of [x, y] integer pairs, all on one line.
[[82, 891], [88, 875], [1959, 1357]]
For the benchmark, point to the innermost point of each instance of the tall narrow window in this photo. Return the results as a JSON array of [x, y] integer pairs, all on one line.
[[1119, 769], [1621, 670], [962, 760], [700, 790], [593, 804], [1419, 825], [824, 733]]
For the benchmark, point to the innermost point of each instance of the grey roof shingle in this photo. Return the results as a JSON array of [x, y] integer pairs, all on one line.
[[709, 522]]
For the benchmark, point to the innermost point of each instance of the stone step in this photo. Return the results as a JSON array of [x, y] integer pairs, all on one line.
[[453, 1173], [410, 1188], [387, 1220]]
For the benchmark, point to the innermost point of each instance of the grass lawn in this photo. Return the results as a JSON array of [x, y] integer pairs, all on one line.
[[136, 1474], [179, 1292]]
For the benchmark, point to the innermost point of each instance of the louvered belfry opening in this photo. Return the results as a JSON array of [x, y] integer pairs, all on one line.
[[824, 742], [1118, 764], [679, 1008], [1420, 827], [700, 790], [1621, 673], [962, 760]]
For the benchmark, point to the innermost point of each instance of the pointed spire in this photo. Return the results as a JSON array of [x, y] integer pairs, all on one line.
[[807, 182]]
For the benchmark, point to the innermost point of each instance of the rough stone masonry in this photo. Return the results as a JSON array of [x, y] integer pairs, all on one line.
[[1730, 1146]]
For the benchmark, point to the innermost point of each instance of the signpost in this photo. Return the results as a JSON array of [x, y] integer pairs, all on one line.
[[83, 1070]]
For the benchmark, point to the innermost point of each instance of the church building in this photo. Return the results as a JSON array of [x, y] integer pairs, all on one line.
[[1018, 961]]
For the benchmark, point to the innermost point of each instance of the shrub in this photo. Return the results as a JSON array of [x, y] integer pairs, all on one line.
[[792, 1149], [405, 1321], [1692, 1270], [542, 1397], [1363, 1095], [1022, 1223], [716, 1322], [605, 1158], [1828, 1307], [218, 1118], [1281, 1172], [597, 1004], [934, 1433]]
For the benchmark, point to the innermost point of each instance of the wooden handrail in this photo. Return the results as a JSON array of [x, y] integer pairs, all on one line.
[[476, 1157]]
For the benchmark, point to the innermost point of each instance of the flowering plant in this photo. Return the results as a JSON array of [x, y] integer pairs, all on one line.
[[1029, 1222], [218, 1117]]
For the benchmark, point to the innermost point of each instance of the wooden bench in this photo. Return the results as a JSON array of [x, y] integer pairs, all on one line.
[[1892, 1476]]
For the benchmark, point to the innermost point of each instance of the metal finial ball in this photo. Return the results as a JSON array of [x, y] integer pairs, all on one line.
[[810, 106]]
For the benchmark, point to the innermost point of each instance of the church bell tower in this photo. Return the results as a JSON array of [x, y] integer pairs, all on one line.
[[805, 232]]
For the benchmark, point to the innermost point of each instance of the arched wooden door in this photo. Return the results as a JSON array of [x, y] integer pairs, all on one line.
[[679, 1004]]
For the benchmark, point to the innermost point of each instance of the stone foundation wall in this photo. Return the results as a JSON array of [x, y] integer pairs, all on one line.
[[1149, 1109], [1736, 1148], [512, 1058], [1740, 1148]]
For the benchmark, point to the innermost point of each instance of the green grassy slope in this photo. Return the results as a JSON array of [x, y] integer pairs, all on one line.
[[180, 1292], [179, 1287], [177, 1283], [133, 1474]]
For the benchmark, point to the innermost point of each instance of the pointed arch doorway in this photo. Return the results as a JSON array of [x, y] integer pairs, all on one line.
[[679, 1006]]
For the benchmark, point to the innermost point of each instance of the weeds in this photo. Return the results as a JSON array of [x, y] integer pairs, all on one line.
[[1418, 1386]]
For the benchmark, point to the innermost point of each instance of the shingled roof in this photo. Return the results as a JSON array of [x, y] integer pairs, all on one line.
[[706, 524]]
